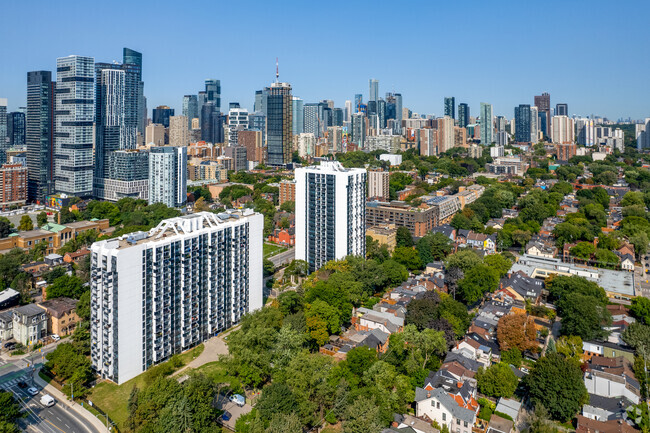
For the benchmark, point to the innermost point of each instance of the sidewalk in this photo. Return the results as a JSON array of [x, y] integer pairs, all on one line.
[[213, 348], [63, 399]]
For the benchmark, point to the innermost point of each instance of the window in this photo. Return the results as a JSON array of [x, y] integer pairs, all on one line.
[[465, 424], [457, 421], [444, 416], [437, 405]]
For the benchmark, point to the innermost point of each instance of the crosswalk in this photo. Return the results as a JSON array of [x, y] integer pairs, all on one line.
[[7, 385]]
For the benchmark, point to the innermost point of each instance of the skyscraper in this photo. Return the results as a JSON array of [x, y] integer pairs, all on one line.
[[358, 129], [237, 121], [463, 115], [543, 104], [330, 213], [522, 124], [358, 100], [161, 115], [177, 285], [39, 135], [534, 124], [168, 175], [213, 92], [117, 116], [563, 131], [3, 131], [450, 106], [398, 112], [190, 108], [279, 123], [298, 116], [348, 111], [75, 110], [135, 100], [374, 90], [561, 109], [487, 122], [179, 134], [16, 128]]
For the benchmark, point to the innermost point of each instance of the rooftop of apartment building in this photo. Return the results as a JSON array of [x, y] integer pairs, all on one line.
[[185, 224]]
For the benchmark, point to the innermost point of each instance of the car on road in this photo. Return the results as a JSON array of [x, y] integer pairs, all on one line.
[[55, 337], [47, 400], [22, 385], [32, 390]]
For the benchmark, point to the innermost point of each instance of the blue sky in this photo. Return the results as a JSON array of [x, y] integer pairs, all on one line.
[[592, 55]]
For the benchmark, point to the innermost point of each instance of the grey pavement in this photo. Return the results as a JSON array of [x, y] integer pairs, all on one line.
[[213, 348], [284, 257], [64, 416]]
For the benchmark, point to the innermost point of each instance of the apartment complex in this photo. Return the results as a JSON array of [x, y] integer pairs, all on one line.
[[287, 191], [418, 220], [378, 187], [330, 213], [157, 293], [13, 185]]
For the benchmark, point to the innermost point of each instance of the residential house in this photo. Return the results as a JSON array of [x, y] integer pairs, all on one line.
[[586, 425], [612, 377], [409, 424], [6, 325], [540, 248], [76, 256], [605, 349], [602, 408], [499, 425], [29, 324], [522, 287], [9, 297], [366, 319], [62, 317], [481, 241], [510, 407], [457, 411]]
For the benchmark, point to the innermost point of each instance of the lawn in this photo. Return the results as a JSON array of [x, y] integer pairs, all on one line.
[[272, 249], [113, 399]]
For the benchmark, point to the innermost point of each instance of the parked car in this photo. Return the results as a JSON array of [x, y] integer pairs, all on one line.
[[47, 400], [55, 337], [32, 390], [226, 416], [238, 399], [524, 370], [10, 345]]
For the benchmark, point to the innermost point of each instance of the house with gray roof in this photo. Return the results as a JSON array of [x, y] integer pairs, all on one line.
[[29, 324], [440, 406]]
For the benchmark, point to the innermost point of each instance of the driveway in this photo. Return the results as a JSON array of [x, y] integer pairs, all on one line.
[[222, 402]]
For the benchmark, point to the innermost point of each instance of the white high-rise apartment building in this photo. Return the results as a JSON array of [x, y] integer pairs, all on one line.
[[157, 293], [237, 121], [487, 124], [75, 116], [348, 111], [330, 213], [534, 124], [378, 184], [168, 175], [305, 144], [562, 130], [179, 134], [585, 131], [642, 133]]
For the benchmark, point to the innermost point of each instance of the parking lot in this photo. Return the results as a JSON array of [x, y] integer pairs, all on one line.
[[234, 411]]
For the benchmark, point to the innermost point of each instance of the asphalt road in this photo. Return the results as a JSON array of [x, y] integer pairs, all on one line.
[[56, 419], [283, 258]]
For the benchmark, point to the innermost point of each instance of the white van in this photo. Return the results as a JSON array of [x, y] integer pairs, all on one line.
[[47, 400]]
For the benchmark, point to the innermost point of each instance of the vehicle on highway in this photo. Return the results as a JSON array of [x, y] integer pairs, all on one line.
[[22, 385], [47, 400], [32, 390], [55, 337], [238, 399]]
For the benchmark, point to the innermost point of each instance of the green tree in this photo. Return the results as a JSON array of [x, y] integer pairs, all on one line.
[[583, 316], [41, 219], [360, 359], [5, 227], [498, 262], [285, 424], [10, 412], [637, 336], [583, 250], [570, 347], [538, 421], [606, 259], [498, 380], [83, 306], [277, 398], [288, 206], [641, 309], [433, 246], [408, 257], [362, 416], [25, 223], [512, 356], [69, 286], [465, 260], [477, 281], [557, 384], [403, 237]]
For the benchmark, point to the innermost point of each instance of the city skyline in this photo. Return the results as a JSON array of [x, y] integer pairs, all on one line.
[[178, 65]]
